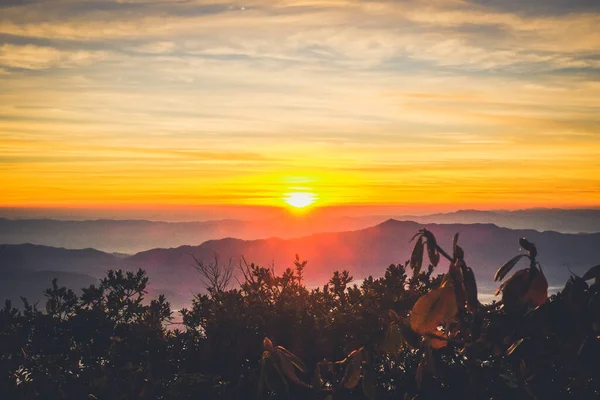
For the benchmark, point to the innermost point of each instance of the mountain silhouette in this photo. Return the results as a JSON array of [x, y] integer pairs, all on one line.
[[132, 236], [363, 252]]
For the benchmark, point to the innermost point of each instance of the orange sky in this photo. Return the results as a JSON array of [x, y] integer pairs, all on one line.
[[435, 105]]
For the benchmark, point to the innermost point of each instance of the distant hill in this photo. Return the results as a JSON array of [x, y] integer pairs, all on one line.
[[541, 219], [30, 257], [31, 284], [132, 236], [363, 252], [370, 251]]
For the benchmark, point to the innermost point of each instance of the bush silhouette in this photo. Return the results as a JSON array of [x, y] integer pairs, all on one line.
[[412, 333]]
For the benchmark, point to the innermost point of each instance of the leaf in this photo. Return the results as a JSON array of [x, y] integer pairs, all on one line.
[[408, 334], [447, 280], [286, 366], [459, 253], [510, 381], [416, 258], [471, 288], [420, 372], [527, 245], [430, 238], [393, 339], [432, 249], [457, 282], [592, 273], [353, 369], [267, 344], [426, 366], [317, 380], [514, 289], [434, 255], [398, 334], [433, 309], [369, 384], [514, 346], [415, 235], [505, 269], [455, 240], [527, 286], [274, 378], [261, 377], [500, 288], [292, 358], [537, 293], [455, 273], [437, 340]]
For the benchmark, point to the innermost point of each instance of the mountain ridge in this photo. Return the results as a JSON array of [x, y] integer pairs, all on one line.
[[131, 236], [363, 252]]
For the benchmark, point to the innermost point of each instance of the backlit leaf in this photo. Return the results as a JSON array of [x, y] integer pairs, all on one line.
[[437, 340], [527, 286], [433, 309], [537, 292], [514, 346], [267, 344], [514, 289], [505, 269]]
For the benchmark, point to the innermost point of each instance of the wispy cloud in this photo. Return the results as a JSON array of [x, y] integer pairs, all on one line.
[[36, 57]]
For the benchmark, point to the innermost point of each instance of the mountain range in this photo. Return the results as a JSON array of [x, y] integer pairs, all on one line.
[[133, 236], [363, 252], [541, 219]]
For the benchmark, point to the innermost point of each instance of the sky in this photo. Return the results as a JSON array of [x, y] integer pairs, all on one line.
[[440, 104]]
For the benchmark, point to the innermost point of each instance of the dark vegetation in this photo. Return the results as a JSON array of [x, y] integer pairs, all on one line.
[[418, 332]]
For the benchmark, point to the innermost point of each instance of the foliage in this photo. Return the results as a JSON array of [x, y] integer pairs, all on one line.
[[409, 334]]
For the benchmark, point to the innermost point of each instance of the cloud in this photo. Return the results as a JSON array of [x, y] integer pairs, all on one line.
[[214, 94], [38, 58]]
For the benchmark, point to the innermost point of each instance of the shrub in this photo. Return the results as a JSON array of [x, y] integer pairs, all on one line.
[[409, 334]]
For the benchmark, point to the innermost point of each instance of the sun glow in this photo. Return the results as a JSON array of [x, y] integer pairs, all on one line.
[[300, 199]]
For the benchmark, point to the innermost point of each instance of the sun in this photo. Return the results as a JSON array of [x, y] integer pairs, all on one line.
[[300, 199]]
